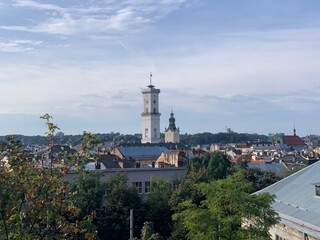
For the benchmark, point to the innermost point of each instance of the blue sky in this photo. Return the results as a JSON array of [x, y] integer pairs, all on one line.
[[250, 65]]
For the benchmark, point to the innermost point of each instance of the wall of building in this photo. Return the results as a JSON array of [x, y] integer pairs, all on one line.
[[141, 175], [172, 136], [282, 231]]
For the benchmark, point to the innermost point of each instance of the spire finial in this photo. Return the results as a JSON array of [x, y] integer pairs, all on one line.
[[294, 129], [150, 78]]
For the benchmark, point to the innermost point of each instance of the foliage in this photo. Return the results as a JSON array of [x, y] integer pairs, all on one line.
[[89, 191], [76, 139], [35, 202], [223, 138], [185, 191], [147, 230], [188, 139], [158, 208], [113, 219], [212, 165], [229, 211], [261, 179]]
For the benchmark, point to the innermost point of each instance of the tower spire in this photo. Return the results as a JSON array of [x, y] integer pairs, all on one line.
[[150, 86], [150, 78]]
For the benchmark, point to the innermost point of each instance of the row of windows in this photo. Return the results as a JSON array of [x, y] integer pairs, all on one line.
[[139, 186]]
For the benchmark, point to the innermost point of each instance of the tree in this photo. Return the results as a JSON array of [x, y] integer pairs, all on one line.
[[208, 167], [185, 191], [147, 230], [229, 211], [89, 193], [113, 220], [213, 165], [261, 179], [158, 208], [35, 202]]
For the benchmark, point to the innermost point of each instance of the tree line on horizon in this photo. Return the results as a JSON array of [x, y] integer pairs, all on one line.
[[186, 139]]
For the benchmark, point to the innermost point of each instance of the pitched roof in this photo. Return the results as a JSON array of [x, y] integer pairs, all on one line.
[[296, 201], [143, 152], [112, 161], [293, 140]]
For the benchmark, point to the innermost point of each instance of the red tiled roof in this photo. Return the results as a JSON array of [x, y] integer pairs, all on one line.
[[293, 140]]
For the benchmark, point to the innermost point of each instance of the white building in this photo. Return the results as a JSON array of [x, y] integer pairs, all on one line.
[[150, 115]]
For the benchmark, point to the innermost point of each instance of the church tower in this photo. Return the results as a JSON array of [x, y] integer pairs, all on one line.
[[150, 115], [172, 134]]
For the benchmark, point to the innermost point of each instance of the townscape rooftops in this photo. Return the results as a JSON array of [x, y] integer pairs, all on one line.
[[112, 161], [62, 148], [296, 199], [293, 140], [143, 152]]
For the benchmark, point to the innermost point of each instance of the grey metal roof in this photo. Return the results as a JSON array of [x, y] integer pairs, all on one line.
[[141, 152], [296, 199]]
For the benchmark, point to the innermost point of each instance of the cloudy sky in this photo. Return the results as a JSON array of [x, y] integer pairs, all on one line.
[[253, 66]]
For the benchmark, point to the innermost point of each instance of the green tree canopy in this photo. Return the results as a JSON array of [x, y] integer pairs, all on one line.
[[228, 212], [89, 192], [213, 166], [114, 219], [158, 208]]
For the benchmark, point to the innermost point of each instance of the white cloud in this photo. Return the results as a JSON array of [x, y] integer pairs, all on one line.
[[36, 5], [19, 46], [95, 18]]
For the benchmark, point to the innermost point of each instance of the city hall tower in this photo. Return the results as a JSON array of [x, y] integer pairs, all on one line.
[[150, 115]]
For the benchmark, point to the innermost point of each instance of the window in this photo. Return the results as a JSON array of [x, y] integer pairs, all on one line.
[[279, 238], [154, 110], [146, 132], [138, 185], [147, 187], [317, 189], [305, 236], [155, 133]]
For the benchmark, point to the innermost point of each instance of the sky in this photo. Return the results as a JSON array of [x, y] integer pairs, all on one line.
[[252, 66]]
